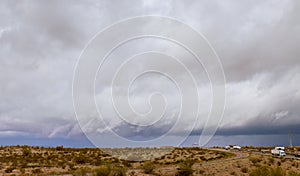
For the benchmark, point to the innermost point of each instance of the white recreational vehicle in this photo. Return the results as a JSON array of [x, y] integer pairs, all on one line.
[[278, 151], [228, 147]]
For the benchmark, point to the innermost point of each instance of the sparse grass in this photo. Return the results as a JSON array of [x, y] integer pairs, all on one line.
[[260, 171], [268, 171]]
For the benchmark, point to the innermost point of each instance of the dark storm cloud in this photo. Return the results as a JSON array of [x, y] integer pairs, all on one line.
[[257, 41]]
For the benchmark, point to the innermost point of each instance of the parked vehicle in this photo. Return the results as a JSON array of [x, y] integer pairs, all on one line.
[[237, 147], [228, 147], [277, 152], [297, 154], [279, 148]]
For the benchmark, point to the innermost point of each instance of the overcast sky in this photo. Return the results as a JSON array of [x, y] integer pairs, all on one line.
[[41, 41]]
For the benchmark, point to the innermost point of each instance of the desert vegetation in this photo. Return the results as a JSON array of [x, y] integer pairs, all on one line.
[[26, 160]]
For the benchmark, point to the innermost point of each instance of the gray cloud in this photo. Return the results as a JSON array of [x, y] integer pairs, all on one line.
[[257, 42]]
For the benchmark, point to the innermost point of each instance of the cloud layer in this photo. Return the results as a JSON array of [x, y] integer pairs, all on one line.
[[257, 42]]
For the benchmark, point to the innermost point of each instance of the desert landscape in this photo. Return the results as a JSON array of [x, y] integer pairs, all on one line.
[[26, 160]]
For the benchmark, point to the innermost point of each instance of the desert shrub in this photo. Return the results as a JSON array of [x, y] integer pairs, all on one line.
[[132, 173], [260, 171], [255, 160], [59, 148], [81, 171], [80, 160], [203, 158], [244, 170], [126, 163], [232, 173], [103, 170], [268, 171], [184, 171], [9, 169], [118, 171], [71, 166], [148, 167], [97, 162], [201, 171], [36, 171], [271, 160], [278, 171], [185, 168], [22, 170], [293, 173], [26, 152]]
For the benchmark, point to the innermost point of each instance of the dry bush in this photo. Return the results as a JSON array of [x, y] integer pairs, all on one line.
[[118, 171], [81, 171], [9, 169], [271, 160], [102, 171], [36, 171], [260, 171], [293, 173], [255, 161], [244, 170], [268, 171], [148, 167], [185, 168]]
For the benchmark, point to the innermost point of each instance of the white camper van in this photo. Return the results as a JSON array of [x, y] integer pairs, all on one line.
[[278, 151], [279, 148], [237, 147]]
